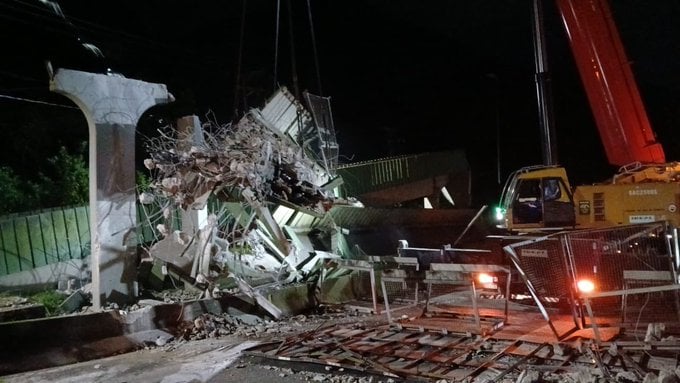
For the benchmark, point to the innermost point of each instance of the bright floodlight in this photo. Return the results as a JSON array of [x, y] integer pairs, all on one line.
[[485, 278], [585, 286]]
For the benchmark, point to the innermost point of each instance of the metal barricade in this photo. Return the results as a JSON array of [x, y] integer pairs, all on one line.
[[616, 275]]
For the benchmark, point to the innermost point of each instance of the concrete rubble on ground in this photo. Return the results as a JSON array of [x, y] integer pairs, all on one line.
[[13, 301], [411, 355], [333, 375], [209, 325], [18, 308]]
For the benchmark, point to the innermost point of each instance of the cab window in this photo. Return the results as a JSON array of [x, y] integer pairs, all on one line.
[[551, 189], [529, 190]]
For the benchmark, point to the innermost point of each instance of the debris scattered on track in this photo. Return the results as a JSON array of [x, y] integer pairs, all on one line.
[[434, 356]]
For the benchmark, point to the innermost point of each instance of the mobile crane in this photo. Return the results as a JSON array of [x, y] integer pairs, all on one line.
[[645, 189]]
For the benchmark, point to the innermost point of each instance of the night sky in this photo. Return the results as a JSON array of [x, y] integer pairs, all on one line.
[[404, 76]]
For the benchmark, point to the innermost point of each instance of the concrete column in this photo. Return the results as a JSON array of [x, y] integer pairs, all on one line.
[[190, 133], [112, 106]]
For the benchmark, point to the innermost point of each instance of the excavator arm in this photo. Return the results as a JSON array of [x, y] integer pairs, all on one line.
[[608, 80]]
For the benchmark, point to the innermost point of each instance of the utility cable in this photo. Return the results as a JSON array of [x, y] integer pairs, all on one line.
[[36, 101], [276, 43], [237, 78], [135, 45], [22, 77], [43, 27], [292, 50], [316, 55], [40, 12], [92, 28]]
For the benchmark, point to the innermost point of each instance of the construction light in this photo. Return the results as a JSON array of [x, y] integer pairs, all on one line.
[[585, 286], [499, 213], [485, 279]]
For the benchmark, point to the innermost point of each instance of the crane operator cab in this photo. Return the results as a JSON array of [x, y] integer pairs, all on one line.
[[535, 198]]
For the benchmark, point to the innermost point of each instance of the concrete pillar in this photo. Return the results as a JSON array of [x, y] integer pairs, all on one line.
[[112, 106], [190, 133]]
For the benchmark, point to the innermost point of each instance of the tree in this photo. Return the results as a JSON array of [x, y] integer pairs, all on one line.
[[10, 190], [65, 181], [68, 180]]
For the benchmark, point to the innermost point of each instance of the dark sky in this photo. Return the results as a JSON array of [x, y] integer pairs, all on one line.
[[404, 76]]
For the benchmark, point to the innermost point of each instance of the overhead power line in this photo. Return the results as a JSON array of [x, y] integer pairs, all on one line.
[[36, 101], [73, 26]]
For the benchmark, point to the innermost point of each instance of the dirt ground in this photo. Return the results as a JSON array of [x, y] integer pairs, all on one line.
[[207, 360], [198, 361], [225, 358]]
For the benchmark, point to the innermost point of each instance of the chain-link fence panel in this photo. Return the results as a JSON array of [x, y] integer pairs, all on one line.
[[603, 256], [614, 276], [541, 262], [632, 272]]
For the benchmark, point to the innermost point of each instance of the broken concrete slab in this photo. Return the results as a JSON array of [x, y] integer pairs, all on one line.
[[261, 300], [170, 250], [153, 337], [73, 302], [23, 312], [149, 302]]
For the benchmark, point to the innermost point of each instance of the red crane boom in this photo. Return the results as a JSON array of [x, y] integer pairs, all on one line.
[[608, 80]]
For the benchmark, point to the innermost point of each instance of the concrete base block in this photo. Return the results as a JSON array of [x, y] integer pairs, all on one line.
[[297, 299], [344, 289], [44, 276], [291, 300], [41, 343], [22, 313]]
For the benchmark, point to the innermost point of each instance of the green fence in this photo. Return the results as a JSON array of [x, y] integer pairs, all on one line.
[[45, 237]]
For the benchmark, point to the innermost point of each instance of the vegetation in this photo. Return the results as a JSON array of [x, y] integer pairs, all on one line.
[[64, 181], [50, 299], [10, 190], [143, 181], [68, 180]]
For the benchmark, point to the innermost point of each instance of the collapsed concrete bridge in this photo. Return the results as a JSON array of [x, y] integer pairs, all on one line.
[[279, 234]]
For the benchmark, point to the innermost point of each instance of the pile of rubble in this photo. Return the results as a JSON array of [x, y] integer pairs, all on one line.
[[209, 325], [334, 375], [9, 301], [248, 169], [17, 308], [230, 160], [215, 326]]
